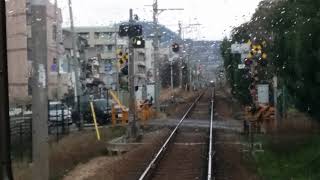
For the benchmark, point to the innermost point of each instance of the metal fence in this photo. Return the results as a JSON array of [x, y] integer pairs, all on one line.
[[21, 134], [21, 137]]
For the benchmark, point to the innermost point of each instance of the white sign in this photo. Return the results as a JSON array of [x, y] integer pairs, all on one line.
[[241, 66], [42, 76], [150, 91], [63, 65], [263, 93], [240, 48]]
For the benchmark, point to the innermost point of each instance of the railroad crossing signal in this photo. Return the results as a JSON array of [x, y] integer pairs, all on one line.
[[133, 31], [257, 53], [175, 47], [130, 30], [138, 42], [123, 58]]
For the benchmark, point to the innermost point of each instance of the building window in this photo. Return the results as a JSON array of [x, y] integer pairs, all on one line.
[[98, 35], [99, 48], [84, 35], [110, 47], [29, 86], [141, 69], [54, 32]]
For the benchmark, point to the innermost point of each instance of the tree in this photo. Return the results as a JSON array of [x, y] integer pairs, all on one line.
[[291, 29]]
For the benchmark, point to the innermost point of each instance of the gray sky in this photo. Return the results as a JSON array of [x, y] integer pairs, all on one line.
[[216, 16]]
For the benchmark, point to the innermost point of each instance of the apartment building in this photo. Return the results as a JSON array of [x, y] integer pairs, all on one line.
[[104, 44], [19, 50]]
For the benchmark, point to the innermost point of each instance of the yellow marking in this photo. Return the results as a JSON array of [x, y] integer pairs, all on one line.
[[95, 121]]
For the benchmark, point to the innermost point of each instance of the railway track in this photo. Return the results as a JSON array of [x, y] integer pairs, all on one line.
[[187, 152]]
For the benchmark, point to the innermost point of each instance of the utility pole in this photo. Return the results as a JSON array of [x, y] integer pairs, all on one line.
[[156, 40], [171, 73], [75, 65], [275, 99], [156, 44], [180, 32], [180, 56], [132, 127], [5, 158], [116, 60], [40, 147], [59, 80]]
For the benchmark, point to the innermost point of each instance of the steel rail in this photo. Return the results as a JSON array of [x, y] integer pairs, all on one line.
[[164, 146], [211, 152]]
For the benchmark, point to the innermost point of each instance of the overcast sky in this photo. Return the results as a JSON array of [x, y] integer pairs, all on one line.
[[217, 17]]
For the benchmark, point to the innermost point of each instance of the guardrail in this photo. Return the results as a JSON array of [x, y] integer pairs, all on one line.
[[211, 151], [147, 171]]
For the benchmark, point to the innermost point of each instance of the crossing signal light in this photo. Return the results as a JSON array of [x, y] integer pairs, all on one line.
[[175, 47], [135, 30], [123, 30], [130, 30], [138, 42]]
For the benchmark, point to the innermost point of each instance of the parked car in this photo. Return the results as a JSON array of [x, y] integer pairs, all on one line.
[[59, 112], [102, 110], [19, 112]]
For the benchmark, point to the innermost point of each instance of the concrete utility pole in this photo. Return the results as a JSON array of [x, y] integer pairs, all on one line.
[[75, 65], [132, 127], [156, 40], [59, 81], [116, 60], [184, 49], [171, 75], [156, 44], [5, 158], [180, 56], [275, 99], [40, 147]]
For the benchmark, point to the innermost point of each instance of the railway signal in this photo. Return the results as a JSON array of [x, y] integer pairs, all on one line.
[[175, 47], [130, 30], [138, 42]]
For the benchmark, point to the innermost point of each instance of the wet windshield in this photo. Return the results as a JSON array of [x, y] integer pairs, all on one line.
[[182, 89]]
